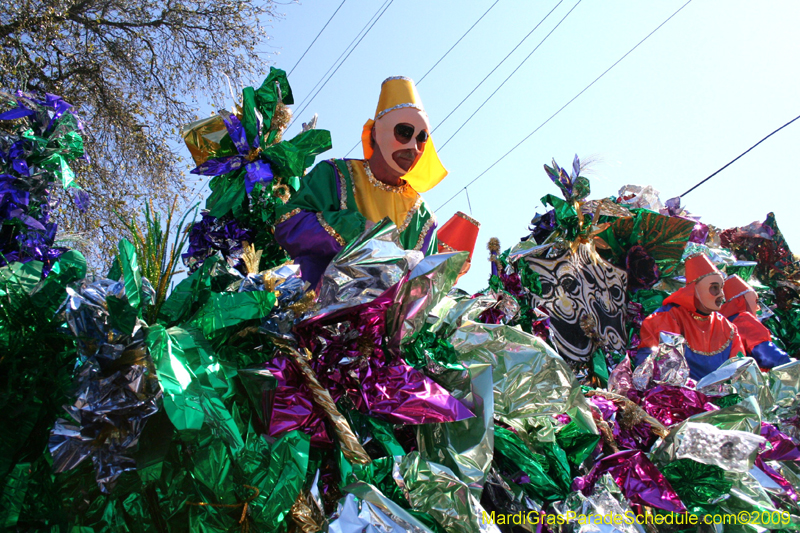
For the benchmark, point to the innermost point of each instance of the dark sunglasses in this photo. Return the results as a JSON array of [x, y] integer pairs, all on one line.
[[404, 132]]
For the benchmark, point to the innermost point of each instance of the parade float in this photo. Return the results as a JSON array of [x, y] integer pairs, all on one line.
[[384, 398]]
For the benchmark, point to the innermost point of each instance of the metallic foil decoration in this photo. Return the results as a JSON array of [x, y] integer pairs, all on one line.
[[366, 510], [667, 365], [731, 450], [351, 447], [605, 501], [117, 389], [530, 379], [365, 269], [435, 489], [640, 197], [741, 376], [427, 283], [466, 446], [204, 137]]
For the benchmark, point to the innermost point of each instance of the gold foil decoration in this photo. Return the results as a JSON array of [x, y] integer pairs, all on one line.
[[631, 414], [203, 137], [243, 520], [307, 515]]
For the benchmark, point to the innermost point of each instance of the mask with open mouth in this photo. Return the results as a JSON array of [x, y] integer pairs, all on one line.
[[574, 290]]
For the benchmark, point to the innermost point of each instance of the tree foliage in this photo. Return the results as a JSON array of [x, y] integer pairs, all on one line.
[[135, 70]]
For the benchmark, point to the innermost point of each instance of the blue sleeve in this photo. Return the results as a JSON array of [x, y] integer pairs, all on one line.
[[767, 355], [642, 354]]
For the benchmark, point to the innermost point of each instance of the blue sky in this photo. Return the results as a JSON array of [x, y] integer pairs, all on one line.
[[709, 84]]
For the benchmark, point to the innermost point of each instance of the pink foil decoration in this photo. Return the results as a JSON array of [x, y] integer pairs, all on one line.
[[670, 405], [639, 479]]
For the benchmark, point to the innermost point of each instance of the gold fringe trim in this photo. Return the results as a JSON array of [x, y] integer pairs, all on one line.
[[330, 230], [287, 216], [375, 182], [410, 215], [724, 347], [343, 185], [424, 232]]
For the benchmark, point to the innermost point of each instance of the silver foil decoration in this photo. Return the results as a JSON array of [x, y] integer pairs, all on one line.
[[117, 388], [606, 504], [731, 450], [365, 269], [666, 366], [366, 510]]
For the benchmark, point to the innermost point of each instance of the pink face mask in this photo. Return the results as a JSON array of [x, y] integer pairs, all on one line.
[[709, 291], [401, 136]]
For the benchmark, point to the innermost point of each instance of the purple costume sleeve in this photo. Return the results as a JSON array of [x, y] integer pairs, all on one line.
[[308, 243]]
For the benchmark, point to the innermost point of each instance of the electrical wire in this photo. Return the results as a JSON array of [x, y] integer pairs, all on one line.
[[458, 41], [496, 67], [317, 37], [379, 14], [740, 156], [440, 59], [565, 105], [509, 76]]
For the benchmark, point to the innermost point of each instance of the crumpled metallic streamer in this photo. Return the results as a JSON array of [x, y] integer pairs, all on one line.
[[785, 389], [531, 471], [741, 376], [365, 269], [193, 381], [731, 450], [352, 358], [671, 405], [351, 447], [366, 510], [782, 447], [436, 490], [603, 506], [427, 283], [530, 379], [743, 416], [641, 482], [666, 365], [465, 446], [117, 389], [619, 381], [700, 486]]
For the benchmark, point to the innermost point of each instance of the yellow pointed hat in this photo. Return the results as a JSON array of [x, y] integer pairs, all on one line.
[[398, 92]]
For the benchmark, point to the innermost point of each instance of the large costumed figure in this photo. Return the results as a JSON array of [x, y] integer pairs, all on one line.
[[693, 311], [740, 308], [340, 198]]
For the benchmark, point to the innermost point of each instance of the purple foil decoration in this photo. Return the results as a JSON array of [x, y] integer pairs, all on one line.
[[542, 226], [642, 269], [641, 482], [777, 478], [783, 449], [699, 233], [211, 235]]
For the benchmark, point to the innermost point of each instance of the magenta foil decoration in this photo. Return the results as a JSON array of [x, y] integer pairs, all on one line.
[[777, 478], [639, 479], [670, 405], [352, 358], [783, 449], [292, 406]]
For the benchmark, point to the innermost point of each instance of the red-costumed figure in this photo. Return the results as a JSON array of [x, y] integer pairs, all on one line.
[[693, 312], [740, 308]]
